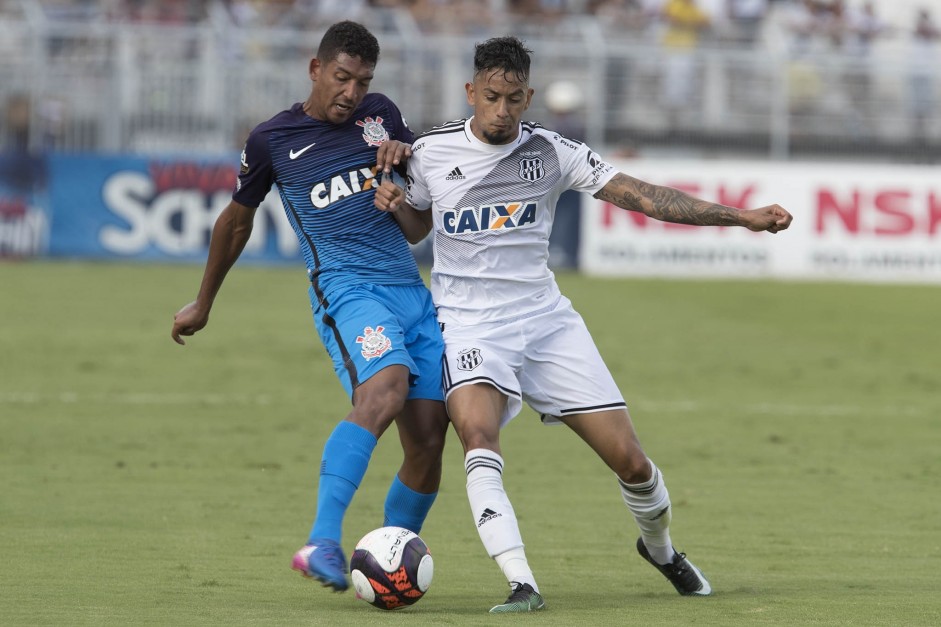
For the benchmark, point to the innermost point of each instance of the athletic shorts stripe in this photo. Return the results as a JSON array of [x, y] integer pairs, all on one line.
[[592, 408], [348, 364], [450, 386]]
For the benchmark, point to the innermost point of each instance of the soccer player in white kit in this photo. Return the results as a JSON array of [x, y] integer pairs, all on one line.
[[491, 183]]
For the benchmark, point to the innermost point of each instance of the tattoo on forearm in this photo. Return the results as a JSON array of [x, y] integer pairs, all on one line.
[[666, 203]]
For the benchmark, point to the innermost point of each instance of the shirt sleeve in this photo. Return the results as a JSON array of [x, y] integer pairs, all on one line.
[[417, 193], [400, 129], [585, 169], [256, 174]]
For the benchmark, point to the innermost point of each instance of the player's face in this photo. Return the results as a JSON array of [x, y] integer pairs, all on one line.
[[499, 99], [339, 87]]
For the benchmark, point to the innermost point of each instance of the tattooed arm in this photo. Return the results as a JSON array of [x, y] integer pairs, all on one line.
[[672, 205]]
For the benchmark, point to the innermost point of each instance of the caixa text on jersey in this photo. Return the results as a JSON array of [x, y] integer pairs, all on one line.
[[494, 217]]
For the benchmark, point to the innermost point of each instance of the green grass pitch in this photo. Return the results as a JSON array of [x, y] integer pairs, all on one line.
[[144, 483]]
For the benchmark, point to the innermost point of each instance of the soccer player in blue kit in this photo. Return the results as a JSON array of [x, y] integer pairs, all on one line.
[[371, 307]]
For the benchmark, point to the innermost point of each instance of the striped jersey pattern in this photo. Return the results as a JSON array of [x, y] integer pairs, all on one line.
[[326, 177], [493, 207]]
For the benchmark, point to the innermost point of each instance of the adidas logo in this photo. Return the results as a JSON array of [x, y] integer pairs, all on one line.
[[488, 514], [455, 175]]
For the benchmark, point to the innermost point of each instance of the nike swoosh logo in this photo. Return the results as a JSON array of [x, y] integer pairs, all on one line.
[[295, 155]]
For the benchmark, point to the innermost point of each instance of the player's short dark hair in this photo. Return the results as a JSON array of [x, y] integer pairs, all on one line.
[[503, 53], [349, 37]]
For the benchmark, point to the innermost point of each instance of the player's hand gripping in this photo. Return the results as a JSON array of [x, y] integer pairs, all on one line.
[[415, 225], [188, 321], [389, 197], [772, 218], [390, 154]]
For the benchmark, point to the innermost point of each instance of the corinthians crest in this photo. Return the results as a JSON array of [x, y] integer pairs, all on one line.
[[374, 342], [373, 131]]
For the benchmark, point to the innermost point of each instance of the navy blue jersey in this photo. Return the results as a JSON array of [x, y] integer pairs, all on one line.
[[326, 175]]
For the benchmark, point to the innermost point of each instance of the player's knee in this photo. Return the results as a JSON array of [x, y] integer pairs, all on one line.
[[425, 464], [476, 438], [426, 444], [633, 466], [433, 440], [376, 411], [380, 401]]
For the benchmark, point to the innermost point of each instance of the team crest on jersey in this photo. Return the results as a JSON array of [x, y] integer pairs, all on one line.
[[469, 359], [373, 131], [531, 169], [374, 342]]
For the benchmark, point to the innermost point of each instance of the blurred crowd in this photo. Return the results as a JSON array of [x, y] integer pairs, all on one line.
[[849, 24], [806, 33], [798, 26]]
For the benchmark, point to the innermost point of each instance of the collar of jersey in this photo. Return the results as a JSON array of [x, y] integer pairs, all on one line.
[[501, 148]]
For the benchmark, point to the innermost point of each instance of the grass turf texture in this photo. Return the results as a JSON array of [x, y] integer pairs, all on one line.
[[146, 483]]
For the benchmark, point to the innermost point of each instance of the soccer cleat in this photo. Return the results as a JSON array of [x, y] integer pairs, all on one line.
[[522, 599], [686, 578], [324, 561]]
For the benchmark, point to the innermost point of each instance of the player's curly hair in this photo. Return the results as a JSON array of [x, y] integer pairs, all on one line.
[[503, 53], [349, 37]]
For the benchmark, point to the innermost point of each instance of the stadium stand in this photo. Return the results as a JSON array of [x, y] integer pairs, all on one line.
[[833, 79]]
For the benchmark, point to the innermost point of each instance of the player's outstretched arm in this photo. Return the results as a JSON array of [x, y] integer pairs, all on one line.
[[415, 224], [672, 205], [229, 236]]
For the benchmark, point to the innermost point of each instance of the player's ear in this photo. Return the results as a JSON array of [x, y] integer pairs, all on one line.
[[469, 88], [529, 98], [314, 68]]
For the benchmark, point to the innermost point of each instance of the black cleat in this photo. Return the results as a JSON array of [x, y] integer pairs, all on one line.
[[522, 599], [685, 577]]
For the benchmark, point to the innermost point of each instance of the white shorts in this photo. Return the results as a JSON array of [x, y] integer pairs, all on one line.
[[546, 358]]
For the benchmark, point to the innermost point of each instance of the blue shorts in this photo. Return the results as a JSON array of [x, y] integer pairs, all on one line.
[[367, 327]]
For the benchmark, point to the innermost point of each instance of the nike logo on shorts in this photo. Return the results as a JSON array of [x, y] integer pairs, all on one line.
[[295, 155]]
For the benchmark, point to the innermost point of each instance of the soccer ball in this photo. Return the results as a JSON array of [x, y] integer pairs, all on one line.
[[391, 568]]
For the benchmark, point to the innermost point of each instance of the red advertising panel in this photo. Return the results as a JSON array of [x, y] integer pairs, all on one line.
[[854, 222]]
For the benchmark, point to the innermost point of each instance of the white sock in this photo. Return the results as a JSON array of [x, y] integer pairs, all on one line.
[[515, 567], [494, 516], [649, 503]]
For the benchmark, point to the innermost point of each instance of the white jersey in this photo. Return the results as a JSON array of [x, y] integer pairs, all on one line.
[[493, 210]]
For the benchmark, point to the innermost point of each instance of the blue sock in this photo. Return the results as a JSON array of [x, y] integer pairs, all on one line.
[[345, 457], [405, 507]]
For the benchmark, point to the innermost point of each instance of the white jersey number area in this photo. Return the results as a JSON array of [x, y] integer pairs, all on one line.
[[493, 208]]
